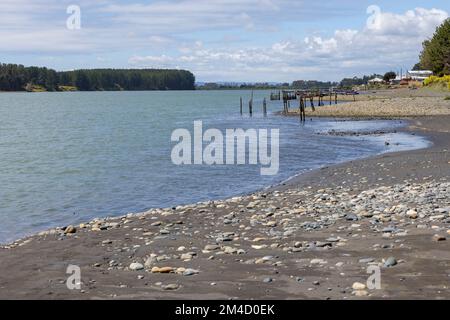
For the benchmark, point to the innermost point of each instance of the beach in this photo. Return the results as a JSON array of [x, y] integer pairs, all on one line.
[[312, 237]]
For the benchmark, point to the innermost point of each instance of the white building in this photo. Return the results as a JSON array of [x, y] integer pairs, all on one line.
[[419, 75], [376, 80]]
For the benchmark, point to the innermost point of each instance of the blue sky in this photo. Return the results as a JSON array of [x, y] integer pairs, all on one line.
[[222, 40]]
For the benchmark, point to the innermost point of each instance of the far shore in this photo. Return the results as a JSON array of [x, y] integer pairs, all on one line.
[[312, 237]]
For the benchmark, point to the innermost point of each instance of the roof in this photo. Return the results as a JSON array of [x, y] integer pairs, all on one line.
[[420, 72]]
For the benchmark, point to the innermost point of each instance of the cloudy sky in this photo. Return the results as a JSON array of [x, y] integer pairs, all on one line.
[[222, 40]]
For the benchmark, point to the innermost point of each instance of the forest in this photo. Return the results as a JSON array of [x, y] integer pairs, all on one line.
[[15, 77]]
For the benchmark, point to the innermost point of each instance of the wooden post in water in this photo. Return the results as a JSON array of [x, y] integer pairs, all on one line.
[[335, 98], [241, 106], [265, 107], [301, 110], [331, 97], [250, 107]]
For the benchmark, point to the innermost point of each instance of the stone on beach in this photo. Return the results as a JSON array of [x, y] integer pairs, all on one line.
[[162, 270], [390, 262], [358, 286], [70, 230], [135, 266]]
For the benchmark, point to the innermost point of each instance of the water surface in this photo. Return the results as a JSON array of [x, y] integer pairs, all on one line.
[[66, 158]]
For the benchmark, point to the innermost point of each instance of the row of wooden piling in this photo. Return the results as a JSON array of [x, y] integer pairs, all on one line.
[[250, 107], [302, 96]]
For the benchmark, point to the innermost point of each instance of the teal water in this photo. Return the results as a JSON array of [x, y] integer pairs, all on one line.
[[66, 158]]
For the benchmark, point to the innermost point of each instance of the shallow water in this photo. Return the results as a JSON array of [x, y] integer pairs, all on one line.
[[69, 157]]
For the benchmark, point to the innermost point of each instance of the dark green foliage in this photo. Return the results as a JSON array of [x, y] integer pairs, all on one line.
[[313, 84], [18, 78], [417, 67], [435, 55], [388, 76]]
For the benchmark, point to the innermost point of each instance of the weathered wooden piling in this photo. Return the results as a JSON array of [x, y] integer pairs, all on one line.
[[250, 108], [265, 107], [301, 110], [312, 103], [241, 106]]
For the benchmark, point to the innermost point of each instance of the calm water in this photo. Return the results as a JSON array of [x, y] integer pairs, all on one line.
[[70, 157]]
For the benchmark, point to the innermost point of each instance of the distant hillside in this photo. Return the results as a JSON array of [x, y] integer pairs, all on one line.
[[19, 78]]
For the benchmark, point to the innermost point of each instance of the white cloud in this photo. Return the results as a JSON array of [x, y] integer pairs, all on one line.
[[395, 44], [215, 39]]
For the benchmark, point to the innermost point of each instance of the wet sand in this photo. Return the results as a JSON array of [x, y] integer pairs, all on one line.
[[310, 238]]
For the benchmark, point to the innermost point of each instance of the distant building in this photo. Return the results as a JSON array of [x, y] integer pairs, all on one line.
[[419, 75], [375, 80]]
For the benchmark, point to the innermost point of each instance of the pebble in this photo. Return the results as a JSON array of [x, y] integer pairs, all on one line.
[[162, 270], [171, 286], [212, 247], [358, 286], [268, 280], [190, 272], [318, 261], [135, 266], [438, 238], [70, 230], [412, 214], [390, 262], [360, 293], [366, 260]]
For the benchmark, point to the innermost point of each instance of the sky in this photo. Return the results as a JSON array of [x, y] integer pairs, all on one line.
[[221, 40]]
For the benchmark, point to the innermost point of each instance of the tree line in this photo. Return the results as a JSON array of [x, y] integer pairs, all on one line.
[[15, 77]]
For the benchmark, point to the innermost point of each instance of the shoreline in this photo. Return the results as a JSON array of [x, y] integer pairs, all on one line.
[[310, 238]]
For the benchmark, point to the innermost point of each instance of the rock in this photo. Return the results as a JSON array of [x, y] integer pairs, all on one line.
[[322, 244], [212, 247], [186, 256], [259, 247], [390, 262], [412, 214], [360, 293], [268, 280], [181, 248], [70, 230], [135, 266], [171, 286], [438, 238], [351, 217], [358, 286], [162, 270], [318, 261], [190, 272], [366, 260], [229, 250]]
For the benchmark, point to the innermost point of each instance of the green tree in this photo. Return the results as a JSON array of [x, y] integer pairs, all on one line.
[[388, 76], [436, 51]]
